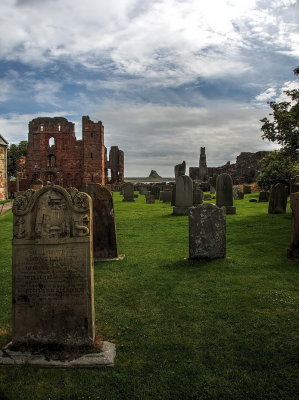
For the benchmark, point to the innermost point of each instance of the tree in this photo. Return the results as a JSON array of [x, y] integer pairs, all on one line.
[[276, 167], [284, 129], [14, 152]]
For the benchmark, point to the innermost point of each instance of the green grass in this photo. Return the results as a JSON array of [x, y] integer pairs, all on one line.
[[183, 329]]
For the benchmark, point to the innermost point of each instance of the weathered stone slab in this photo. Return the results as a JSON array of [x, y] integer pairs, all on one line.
[[104, 231], [238, 194], [197, 196], [224, 193], [278, 199], [128, 191], [166, 196], [149, 198], [155, 191], [207, 232], [183, 195], [104, 358], [293, 251], [53, 296]]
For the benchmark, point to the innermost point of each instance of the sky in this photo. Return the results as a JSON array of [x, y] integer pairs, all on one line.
[[165, 77]]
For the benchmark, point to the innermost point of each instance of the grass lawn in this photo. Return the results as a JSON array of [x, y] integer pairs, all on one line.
[[183, 330]]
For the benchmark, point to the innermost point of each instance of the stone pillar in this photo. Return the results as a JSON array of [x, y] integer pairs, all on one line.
[[207, 232], [293, 251], [180, 169], [224, 193], [203, 169]]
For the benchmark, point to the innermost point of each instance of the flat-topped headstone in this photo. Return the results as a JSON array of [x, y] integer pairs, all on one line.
[[155, 191], [207, 232], [53, 295], [293, 251], [224, 193], [166, 196], [128, 191], [104, 231], [278, 199], [183, 195]]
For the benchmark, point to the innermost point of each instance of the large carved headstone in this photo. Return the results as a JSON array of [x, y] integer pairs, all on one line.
[[293, 252], [183, 195], [278, 199], [207, 232], [104, 231], [53, 295], [128, 191], [224, 193]]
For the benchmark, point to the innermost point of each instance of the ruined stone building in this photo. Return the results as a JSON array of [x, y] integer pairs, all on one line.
[[55, 155], [245, 170], [3, 168]]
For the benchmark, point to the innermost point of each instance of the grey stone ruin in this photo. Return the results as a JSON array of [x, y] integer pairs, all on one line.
[[207, 232], [293, 251], [197, 196], [224, 193], [183, 195], [264, 197], [128, 191], [180, 169], [104, 231], [278, 199], [53, 283]]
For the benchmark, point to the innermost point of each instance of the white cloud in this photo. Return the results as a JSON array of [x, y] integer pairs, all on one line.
[[268, 94]]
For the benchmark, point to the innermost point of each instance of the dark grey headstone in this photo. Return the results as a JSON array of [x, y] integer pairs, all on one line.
[[207, 232], [293, 251], [224, 193], [128, 191], [278, 199], [264, 197]]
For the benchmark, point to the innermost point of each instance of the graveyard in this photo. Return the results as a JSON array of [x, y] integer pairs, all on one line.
[[183, 328]]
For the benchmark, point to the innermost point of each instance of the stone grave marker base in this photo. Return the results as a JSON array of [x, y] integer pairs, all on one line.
[[92, 360], [118, 258]]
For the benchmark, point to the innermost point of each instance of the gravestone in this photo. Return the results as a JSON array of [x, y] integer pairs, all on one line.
[[166, 196], [37, 184], [246, 189], [207, 197], [149, 198], [264, 197], [104, 231], [278, 199], [155, 191], [212, 190], [197, 196], [143, 190], [52, 267], [207, 232], [128, 191], [183, 195], [173, 193], [293, 251], [224, 193], [238, 194]]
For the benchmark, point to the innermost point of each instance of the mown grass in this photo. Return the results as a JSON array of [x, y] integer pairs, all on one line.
[[183, 329]]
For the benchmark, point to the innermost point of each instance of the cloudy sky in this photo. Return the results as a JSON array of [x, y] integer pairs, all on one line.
[[164, 76]]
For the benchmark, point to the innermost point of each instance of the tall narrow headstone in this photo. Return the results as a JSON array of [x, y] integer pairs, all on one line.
[[197, 196], [183, 195], [207, 232], [104, 231], [53, 295], [278, 199], [293, 252], [128, 191], [224, 193]]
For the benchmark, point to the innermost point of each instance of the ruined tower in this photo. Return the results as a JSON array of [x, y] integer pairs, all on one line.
[[203, 169]]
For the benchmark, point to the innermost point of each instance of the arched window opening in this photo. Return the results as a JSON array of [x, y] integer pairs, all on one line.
[[91, 134], [59, 128], [91, 155], [91, 177], [51, 142], [42, 128], [51, 160]]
